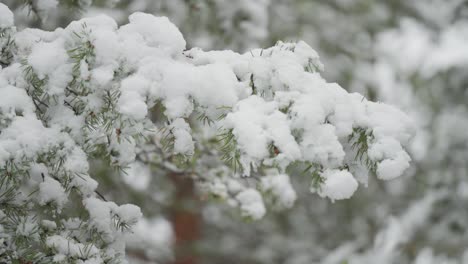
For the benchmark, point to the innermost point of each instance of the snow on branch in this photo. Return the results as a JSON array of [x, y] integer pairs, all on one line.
[[92, 91]]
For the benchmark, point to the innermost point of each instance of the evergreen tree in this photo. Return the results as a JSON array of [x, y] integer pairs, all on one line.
[[98, 96]]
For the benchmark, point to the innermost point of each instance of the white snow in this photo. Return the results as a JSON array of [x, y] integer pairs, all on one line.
[[278, 107], [394, 160], [154, 236], [47, 5], [156, 32], [138, 176], [132, 101], [280, 187], [52, 191], [102, 213], [6, 17], [46, 58], [251, 204], [69, 247], [338, 185], [183, 143]]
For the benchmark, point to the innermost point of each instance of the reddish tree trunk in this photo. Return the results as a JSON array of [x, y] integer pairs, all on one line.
[[185, 218]]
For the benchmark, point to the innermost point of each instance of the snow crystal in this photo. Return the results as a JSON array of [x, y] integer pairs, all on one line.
[[25, 137], [129, 213], [16, 100], [38, 171], [85, 184], [69, 247], [251, 204], [154, 236], [215, 85], [132, 100], [393, 159], [183, 142], [280, 186], [76, 161], [46, 58], [6, 16], [49, 225], [102, 76], [28, 228], [101, 22], [256, 124], [338, 185], [52, 191], [46, 5], [156, 32], [137, 176], [102, 215], [321, 145]]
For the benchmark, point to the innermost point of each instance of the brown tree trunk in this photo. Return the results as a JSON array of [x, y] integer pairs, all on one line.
[[186, 220]]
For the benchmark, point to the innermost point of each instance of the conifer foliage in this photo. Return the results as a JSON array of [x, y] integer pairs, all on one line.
[[91, 91]]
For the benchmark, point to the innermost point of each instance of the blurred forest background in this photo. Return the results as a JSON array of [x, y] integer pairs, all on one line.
[[412, 54]]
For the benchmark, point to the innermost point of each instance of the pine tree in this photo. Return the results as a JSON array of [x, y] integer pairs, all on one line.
[[95, 93]]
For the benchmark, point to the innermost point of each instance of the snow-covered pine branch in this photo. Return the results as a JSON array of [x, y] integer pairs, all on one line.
[[92, 91]]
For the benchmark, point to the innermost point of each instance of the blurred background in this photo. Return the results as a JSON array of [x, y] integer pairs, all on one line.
[[412, 54]]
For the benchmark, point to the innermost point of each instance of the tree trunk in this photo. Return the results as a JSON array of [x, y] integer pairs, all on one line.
[[186, 220]]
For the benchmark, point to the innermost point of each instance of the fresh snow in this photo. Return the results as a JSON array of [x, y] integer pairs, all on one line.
[[60, 106]]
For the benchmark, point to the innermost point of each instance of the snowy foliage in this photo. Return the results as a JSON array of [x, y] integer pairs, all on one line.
[[97, 91]]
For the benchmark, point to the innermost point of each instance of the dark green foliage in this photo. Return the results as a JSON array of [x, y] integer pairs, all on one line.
[[360, 140], [229, 150]]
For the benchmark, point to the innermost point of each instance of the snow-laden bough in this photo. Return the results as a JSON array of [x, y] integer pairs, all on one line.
[[89, 91]]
